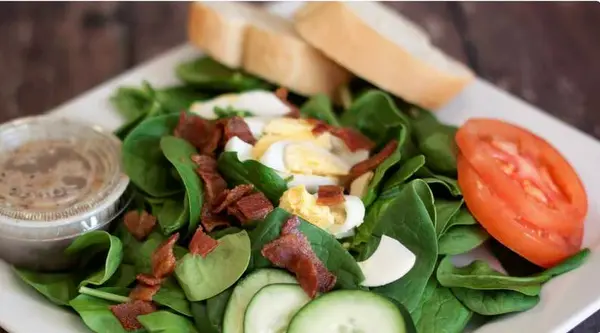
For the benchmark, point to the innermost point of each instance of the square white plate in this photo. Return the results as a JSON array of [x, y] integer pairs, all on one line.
[[565, 301]]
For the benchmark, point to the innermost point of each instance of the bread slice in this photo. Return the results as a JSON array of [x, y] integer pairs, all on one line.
[[240, 35], [383, 48]]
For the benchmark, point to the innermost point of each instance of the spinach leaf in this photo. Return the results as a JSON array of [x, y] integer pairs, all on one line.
[[435, 141], [166, 322], [206, 73], [200, 314], [494, 302], [96, 315], [479, 275], [123, 277], [131, 103], [435, 180], [139, 253], [59, 288], [172, 296], [202, 278], [566, 265], [462, 239], [319, 107], [445, 211], [462, 217], [408, 219], [179, 153], [173, 215], [427, 293], [442, 312], [110, 294], [231, 112], [92, 243], [144, 161], [215, 307], [375, 183], [333, 255], [365, 250], [406, 171], [264, 179]]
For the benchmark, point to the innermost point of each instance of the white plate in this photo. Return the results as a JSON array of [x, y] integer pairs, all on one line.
[[565, 301]]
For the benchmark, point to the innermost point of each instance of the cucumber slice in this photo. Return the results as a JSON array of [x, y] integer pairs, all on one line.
[[349, 311], [233, 320], [273, 307]]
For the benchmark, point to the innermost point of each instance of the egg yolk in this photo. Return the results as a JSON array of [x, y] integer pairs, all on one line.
[[299, 202]]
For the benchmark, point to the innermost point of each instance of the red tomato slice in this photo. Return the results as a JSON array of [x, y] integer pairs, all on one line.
[[526, 172], [541, 247], [521, 190]]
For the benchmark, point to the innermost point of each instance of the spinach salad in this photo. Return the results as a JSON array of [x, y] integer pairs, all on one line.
[[191, 255]]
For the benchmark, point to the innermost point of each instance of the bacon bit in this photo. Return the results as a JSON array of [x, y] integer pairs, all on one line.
[[292, 251], [330, 195], [320, 127], [229, 197], [251, 207], [148, 279], [127, 313], [202, 243], [138, 224], [282, 94], [143, 292], [199, 132], [214, 184], [163, 258], [353, 139], [236, 126], [211, 221], [373, 161]]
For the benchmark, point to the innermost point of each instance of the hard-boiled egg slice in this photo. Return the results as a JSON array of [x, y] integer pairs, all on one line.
[[359, 186], [287, 126], [311, 182], [298, 201], [260, 103], [340, 149], [242, 148], [257, 125], [351, 213], [308, 158], [390, 261]]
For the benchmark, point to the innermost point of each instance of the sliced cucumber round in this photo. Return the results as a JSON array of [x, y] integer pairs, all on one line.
[[272, 308], [349, 311], [233, 320]]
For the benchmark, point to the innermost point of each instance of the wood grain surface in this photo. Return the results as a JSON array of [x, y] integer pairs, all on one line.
[[545, 53]]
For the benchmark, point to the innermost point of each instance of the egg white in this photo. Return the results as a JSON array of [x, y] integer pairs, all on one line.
[[390, 261], [261, 103], [355, 216], [241, 147]]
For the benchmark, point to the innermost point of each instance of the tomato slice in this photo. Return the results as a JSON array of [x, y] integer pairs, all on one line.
[[537, 245], [525, 171], [528, 181]]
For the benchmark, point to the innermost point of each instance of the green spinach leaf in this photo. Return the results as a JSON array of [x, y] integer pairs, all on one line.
[[173, 215], [207, 73], [462, 239], [231, 112], [123, 277], [179, 153], [96, 314], [172, 296], [408, 219], [319, 107], [202, 278], [200, 314], [442, 312], [59, 288], [566, 265], [494, 302], [462, 217], [89, 245], [479, 275], [374, 185], [445, 212], [406, 171], [264, 179], [166, 322], [215, 307], [436, 180], [337, 260], [144, 161]]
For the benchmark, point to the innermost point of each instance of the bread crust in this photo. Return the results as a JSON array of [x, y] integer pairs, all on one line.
[[340, 34]]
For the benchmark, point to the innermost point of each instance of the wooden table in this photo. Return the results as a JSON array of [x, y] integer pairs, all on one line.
[[546, 53]]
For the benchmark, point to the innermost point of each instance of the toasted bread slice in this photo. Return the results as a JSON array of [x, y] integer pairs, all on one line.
[[243, 36], [383, 48]]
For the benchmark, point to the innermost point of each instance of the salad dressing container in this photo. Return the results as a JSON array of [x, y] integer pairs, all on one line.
[[58, 179]]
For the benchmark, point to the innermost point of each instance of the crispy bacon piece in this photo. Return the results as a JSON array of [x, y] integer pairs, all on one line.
[[353, 139], [236, 126], [214, 184], [211, 221], [202, 243], [229, 197], [320, 127], [282, 94], [373, 161], [201, 133], [127, 313], [252, 207], [163, 258], [330, 195], [148, 279], [139, 224], [144, 292], [293, 252]]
